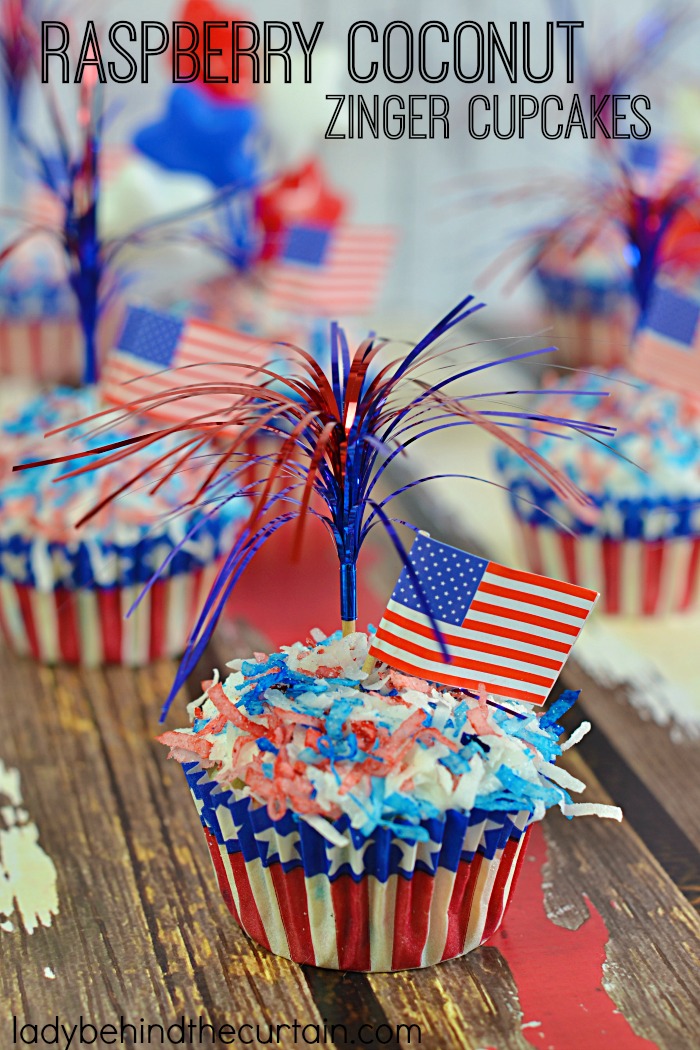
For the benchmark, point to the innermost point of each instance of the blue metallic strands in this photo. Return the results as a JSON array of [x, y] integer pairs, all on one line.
[[334, 434]]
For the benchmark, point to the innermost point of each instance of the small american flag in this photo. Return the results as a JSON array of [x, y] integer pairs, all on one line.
[[152, 349], [509, 630], [330, 271], [666, 350]]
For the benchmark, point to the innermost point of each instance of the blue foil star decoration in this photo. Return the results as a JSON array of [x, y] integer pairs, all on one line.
[[204, 136]]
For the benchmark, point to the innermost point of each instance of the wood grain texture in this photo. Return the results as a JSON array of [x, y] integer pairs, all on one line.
[[142, 931]]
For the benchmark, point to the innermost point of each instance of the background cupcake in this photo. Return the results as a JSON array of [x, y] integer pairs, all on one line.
[[63, 593], [366, 822], [643, 551], [587, 293]]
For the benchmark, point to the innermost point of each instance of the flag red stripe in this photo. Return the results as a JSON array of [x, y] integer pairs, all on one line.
[[111, 623], [485, 628], [469, 643], [501, 878], [523, 617], [460, 683], [290, 890], [494, 569], [25, 604], [611, 550], [221, 874], [532, 599], [67, 624], [459, 661], [249, 914]]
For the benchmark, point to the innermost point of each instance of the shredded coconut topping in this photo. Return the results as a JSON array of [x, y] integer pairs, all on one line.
[[307, 729]]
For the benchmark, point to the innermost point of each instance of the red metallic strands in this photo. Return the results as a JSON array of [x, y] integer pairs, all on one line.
[[508, 630], [332, 436]]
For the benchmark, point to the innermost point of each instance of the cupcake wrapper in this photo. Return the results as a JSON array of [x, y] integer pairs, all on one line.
[[379, 903], [585, 338], [572, 293], [635, 577], [88, 626], [50, 350]]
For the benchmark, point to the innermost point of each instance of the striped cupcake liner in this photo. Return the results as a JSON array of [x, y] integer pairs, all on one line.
[[585, 338], [87, 626], [45, 350], [49, 349], [376, 904], [634, 577]]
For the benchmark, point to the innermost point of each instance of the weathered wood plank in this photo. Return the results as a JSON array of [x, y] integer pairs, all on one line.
[[666, 764], [653, 951], [142, 931]]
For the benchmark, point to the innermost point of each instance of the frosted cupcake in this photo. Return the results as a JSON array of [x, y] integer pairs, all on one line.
[[366, 821], [39, 332], [643, 552], [586, 288], [63, 593]]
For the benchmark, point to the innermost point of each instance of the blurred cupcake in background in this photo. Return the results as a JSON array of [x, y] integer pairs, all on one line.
[[587, 292], [643, 551], [636, 220], [64, 594]]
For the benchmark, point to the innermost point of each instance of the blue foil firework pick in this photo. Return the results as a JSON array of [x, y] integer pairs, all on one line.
[[333, 436], [19, 44], [71, 174]]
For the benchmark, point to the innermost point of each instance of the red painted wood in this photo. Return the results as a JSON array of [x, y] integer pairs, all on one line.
[[284, 599], [559, 972]]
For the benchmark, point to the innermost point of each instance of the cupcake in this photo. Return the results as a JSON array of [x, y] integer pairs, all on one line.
[[64, 594], [359, 817], [587, 296], [39, 332], [366, 821], [643, 550], [40, 335]]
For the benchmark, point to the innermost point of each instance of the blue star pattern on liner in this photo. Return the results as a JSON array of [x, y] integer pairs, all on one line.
[[98, 563], [450, 580], [455, 838]]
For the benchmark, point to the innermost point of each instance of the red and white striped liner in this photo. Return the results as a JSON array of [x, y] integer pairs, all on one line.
[[87, 626], [602, 340], [46, 350], [401, 924], [634, 577], [50, 350]]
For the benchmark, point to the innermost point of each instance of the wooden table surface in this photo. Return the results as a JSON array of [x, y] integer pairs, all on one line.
[[599, 950]]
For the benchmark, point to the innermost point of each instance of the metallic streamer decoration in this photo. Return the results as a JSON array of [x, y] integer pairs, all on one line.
[[19, 45], [334, 434]]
